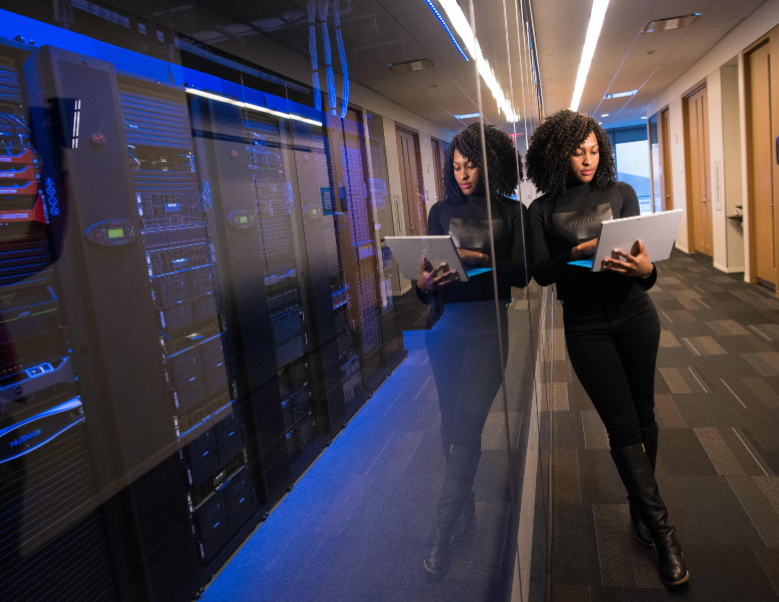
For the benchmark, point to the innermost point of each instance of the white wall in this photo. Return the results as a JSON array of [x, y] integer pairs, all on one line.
[[757, 24], [707, 68]]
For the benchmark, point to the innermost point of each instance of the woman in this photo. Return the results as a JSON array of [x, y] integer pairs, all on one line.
[[612, 330], [463, 345]]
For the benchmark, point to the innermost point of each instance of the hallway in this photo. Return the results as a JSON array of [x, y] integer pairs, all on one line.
[[717, 404], [355, 527]]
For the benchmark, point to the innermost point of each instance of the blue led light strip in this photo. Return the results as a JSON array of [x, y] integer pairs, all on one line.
[[440, 17]]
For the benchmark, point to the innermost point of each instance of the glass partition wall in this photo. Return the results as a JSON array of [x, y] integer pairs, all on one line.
[[218, 381]]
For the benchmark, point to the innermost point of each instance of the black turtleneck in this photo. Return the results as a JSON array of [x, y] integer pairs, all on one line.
[[555, 226], [468, 224]]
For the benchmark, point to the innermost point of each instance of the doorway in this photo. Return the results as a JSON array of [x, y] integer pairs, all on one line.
[[666, 184], [696, 132], [760, 162], [438, 167], [409, 161]]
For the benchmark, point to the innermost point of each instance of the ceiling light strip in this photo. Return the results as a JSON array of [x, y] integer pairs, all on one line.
[[446, 27], [620, 94], [251, 107], [588, 52], [463, 29]]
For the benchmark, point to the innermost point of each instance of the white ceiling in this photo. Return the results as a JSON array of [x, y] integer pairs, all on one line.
[[376, 33], [624, 59], [380, 32]]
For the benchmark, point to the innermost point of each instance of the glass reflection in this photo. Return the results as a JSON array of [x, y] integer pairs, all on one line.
[[197, 297], [463, 346]]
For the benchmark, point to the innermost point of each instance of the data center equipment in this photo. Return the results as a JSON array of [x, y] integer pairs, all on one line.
[[52, 538], [270, 279], [182, 262], [191, 307]]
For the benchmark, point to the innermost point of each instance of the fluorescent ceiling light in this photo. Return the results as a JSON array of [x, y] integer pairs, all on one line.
[[605, 115], [670, 23], [643, 118], [620, 94], [468, 116], [446, 27], [463, 29], [590, 42], [417, 65], [251, 107]]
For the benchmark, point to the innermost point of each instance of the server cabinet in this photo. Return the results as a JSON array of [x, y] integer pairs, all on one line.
[[53, 541], [189, 305], [277, 285], [184, 266], [139, 246], [224, 162], [377, 176], [116, 336], [361, 254]]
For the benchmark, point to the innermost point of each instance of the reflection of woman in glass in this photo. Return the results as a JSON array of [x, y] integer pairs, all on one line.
[[463, 345], [612, 330]]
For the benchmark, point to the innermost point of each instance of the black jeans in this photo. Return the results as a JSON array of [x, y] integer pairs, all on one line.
[[467, 368], [613, 348]]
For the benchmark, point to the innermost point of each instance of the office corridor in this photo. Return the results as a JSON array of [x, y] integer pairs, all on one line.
[[717, 404]]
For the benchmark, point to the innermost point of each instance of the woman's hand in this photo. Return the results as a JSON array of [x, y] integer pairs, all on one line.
[[637, 264], [584, 250], [430, 279], [474, 258]]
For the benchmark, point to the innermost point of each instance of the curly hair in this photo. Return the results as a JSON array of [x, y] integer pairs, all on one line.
[[551, 147], [501, 161]]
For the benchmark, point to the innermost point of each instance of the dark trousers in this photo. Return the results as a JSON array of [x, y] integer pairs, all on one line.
[[467, 368], [613, 348]]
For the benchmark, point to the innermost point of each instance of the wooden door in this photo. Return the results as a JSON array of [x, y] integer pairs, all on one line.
[[414, 210], [666, 185], [699, 201], [438, 167], [760, 161]]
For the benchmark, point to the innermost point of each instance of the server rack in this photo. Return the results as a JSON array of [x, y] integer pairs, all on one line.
[[284, 269], [53, 543], [216, 345], [141, 252], [176, 221], [391, 330], [255, 188], [337, 244], [371, 318], [223, 162]]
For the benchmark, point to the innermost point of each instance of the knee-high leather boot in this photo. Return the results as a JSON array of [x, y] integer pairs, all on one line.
[[638, 477], [649, 439], [460, 472]]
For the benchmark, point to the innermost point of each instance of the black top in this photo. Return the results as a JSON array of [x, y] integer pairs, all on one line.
[[557, 226], [468, 225]]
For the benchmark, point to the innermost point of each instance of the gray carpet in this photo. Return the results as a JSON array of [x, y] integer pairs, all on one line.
[[717, 404]]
